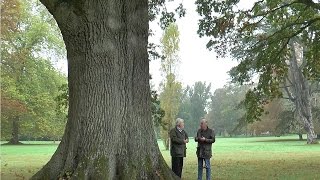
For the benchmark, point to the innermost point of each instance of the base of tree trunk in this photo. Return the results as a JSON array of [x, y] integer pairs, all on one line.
[[314, 142], [311, 136], [13, 143], [100, 168]]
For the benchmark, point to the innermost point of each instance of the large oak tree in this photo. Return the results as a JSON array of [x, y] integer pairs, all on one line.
[[109, 133]]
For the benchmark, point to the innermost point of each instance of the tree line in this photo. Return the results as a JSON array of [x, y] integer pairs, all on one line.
[[226, 114]]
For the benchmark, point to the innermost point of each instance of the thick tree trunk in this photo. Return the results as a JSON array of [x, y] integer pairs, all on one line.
[[311, 136], [109, 133], [15, 131], [302, 95]]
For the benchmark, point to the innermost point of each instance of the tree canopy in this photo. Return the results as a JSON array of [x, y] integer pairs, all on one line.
[[258, 38]]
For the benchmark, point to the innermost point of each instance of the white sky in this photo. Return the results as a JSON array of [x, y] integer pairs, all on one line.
[[197, 62]]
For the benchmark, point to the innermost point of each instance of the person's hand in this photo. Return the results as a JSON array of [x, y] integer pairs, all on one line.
[[202, 139], [186, 141]]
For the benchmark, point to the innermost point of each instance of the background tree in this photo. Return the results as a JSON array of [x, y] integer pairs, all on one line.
[[185, 109], [268, 124], [194, 105], [288, 123], [224, 111], [170, 103], [29, 82], [11, 107], [299, 89], [261, 39], [171, 88]]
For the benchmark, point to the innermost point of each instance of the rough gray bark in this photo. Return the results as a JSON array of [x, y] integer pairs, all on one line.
[[109, 133], [300, 94]]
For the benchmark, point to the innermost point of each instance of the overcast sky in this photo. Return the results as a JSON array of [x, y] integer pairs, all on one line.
[[197, 62]]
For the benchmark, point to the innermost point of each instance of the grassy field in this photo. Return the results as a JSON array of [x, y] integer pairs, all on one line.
[[234, 158]]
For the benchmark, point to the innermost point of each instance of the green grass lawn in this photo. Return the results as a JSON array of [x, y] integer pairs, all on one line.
[[234, 158]]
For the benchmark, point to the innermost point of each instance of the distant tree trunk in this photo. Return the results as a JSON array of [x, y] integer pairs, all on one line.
[[15, 131], [109, 133], [301, 95]]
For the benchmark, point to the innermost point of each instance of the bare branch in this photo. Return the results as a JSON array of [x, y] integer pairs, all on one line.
[[308, 3], [285, 86], [287, 98], [288, 38], [307, 24], [275, 9], [256, 4], [290, 82], [290, 96]]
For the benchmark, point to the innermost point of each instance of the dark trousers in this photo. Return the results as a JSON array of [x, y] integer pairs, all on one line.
[[177, 164]]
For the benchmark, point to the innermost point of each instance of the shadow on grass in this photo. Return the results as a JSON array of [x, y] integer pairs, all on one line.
[[288, 140], [281, 140], [11, 143]]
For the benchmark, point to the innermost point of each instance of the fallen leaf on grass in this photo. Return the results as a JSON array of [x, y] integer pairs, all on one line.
[[20, 175]]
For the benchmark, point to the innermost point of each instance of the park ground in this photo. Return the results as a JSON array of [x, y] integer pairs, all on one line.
[[234, 158]]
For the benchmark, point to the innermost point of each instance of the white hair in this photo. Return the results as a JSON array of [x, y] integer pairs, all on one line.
[[204, 120], [178, 121]]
